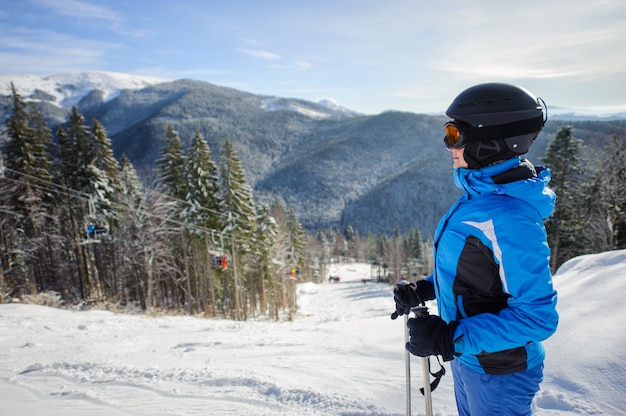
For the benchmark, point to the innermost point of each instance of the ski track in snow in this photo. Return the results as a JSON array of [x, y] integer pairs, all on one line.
[[341, 355]]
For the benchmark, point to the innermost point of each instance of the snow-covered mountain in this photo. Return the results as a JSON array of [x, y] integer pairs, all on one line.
[[353, 171], [66, 90], [317, 111]]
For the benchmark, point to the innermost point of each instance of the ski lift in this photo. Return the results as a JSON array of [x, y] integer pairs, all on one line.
[[221, 258], [221, 261], [95, 225], [294, 272]]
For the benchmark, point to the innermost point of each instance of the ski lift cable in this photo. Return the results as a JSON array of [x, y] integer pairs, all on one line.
[[72, 192], [80, 194], [53, 187]]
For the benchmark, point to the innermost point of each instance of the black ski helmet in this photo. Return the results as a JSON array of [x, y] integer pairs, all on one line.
[[498, 116]]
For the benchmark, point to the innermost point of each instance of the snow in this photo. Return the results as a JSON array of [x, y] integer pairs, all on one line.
[[69, 88], [278, 104], [341, 355], [334, 105]]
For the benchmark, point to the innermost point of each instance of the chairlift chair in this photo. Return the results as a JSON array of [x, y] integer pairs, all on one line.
[[221, 258], [96, 226]]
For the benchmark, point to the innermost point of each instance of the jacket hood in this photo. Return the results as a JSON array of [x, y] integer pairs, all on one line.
[[534, 190]]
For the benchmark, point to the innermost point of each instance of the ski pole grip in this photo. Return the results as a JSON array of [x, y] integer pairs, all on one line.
[[421, 312]]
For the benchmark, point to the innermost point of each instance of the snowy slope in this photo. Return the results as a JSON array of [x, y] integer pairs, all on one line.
[[341, 355], [69, 88]]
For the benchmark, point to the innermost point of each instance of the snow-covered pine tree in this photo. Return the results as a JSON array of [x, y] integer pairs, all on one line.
[[605, 196], [204, 203], [203, 213], [132, 193], [87, 167], [239, 216], [106, 194], [239, 212], [27, 193], [171, 180], [105, 169], [563, 158], [76, 152], [170, 166], [297, 240], [74, 157], [263, 285]]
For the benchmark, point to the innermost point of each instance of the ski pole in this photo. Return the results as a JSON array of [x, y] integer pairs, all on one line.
[[421, 312], [407, 354], [407, 366]]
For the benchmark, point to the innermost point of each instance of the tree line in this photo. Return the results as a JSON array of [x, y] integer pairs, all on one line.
[[590, 184], [76, 222]]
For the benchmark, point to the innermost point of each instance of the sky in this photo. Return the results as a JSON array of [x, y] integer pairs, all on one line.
[[368, 55]]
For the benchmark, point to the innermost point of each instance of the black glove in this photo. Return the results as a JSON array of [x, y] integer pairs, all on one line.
[[412, 294], [431, 335]]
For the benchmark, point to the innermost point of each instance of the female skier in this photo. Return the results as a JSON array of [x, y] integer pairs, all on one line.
[[491, 279]]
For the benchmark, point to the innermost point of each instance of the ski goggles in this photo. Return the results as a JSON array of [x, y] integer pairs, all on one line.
[[458, 133], [455, 135]]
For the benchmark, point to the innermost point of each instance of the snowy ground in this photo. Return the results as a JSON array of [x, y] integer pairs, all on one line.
[[342, 355]]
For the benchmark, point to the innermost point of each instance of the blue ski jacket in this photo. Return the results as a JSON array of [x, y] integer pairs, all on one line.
[[492, 271]]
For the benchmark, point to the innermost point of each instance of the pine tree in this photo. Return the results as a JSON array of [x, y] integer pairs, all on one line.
[[564, 227], [105, 169], [202, 213], [265, 285], [132, 194], [605, 197], [297, 240], [77, 154], [171, 166], [239, 210], [171, 181], [105, 197], [239, 217], [87, 166], [27, 193], [29, 163], [415, 250], [204, 204]]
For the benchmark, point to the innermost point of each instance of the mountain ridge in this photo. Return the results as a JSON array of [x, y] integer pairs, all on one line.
[[334, 167]]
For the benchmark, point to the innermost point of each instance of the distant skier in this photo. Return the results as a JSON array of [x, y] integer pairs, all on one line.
[[491, 279]]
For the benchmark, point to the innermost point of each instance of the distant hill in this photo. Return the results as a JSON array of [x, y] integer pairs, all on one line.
[[333, 166]]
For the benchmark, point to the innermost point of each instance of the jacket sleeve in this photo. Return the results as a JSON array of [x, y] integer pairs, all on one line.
[[522, 254]]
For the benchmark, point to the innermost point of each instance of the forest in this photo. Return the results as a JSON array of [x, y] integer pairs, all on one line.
[[78, 227]]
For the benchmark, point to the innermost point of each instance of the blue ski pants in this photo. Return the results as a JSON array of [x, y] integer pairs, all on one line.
[[494, 395]]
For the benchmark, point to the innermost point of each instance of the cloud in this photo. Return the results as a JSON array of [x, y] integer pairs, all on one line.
[[293, 66], [28, 51], [84, 10], [259, 53], [79, 8]]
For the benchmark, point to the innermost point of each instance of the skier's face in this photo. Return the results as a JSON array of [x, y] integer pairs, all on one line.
[[458, 158]]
